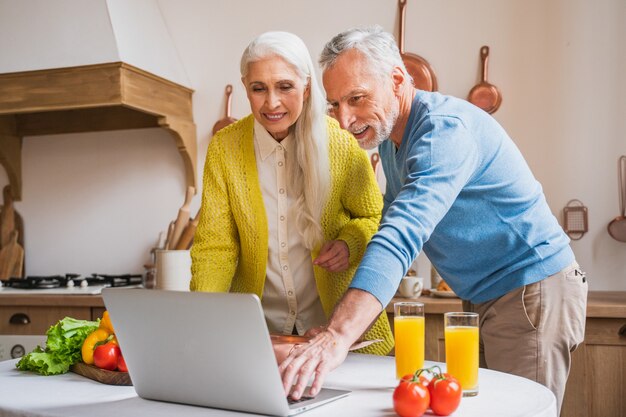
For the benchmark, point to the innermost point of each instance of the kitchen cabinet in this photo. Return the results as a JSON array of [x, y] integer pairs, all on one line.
[[34, 314], [597, 382]]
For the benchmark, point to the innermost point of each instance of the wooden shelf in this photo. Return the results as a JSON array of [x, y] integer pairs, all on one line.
[[89, 98]]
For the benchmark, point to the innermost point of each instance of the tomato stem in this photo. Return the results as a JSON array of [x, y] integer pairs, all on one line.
[[435, 371]]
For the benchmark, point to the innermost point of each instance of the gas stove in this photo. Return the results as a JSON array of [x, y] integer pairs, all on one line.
[[68, 284]]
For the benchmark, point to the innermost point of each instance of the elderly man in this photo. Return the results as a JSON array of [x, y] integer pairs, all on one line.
[[458, 189]]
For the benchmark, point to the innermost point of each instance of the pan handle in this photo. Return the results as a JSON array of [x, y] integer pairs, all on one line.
[[484, 56], [228, 92], [374, 159], [621, 171], [402, 6]]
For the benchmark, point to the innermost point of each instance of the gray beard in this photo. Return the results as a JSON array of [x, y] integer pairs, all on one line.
[[385, 130]]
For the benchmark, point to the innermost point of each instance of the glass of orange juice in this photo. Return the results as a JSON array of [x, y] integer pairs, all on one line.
[[408, 323], [461, 336]]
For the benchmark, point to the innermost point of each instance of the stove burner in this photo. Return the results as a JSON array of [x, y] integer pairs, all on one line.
[[40, 282], [72, 280], [122, 280]]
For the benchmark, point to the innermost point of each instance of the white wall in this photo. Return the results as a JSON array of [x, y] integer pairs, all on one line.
[[96, 202], [42, 34], [36, 35]]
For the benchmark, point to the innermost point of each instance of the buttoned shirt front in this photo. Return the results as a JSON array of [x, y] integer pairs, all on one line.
[[290, 296]]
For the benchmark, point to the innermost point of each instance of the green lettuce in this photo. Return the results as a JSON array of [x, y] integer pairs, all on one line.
[[63, 347]]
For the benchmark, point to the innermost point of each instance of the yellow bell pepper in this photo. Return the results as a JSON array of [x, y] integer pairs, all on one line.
[[105, 323], [98, 335]]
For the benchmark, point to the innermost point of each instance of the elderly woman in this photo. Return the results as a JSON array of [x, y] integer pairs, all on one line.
[[289, 200]]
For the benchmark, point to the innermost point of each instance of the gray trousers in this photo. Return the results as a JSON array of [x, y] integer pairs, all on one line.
[[531, 331]]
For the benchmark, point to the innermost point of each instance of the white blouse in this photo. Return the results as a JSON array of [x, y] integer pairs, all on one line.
[[290, 296]]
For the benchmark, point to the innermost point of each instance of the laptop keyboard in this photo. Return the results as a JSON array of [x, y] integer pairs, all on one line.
[[291, 401]]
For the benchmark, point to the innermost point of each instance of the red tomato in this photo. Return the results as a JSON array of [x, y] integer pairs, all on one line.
[[410, 399], [121, 364], [445, 394], [422, 379], [106, 356]]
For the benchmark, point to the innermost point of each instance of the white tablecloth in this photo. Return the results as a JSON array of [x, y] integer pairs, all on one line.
[[370, 378]]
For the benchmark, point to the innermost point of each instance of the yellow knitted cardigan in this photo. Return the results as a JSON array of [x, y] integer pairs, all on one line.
[[230, 248]]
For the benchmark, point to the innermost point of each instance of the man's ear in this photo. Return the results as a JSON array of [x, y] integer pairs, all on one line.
[[397, 78]]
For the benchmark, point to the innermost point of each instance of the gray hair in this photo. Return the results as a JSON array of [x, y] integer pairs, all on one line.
[[379, 48], [308, 169]]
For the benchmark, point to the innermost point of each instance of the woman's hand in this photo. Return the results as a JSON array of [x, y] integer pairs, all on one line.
[[282, 350], [334, 256], [314, 331]]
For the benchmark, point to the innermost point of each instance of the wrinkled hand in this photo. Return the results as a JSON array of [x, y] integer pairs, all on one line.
[[317, 358], [334, 256]]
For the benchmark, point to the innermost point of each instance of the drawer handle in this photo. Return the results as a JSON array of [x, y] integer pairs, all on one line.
[[19, 319], [622, 331]]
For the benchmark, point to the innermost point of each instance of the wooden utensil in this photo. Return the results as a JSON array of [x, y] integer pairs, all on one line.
[[227, 119], [182, 219], [485, 95], [617, 226], [168, 239], [424, 77], [11, 258], [7, 217], [186, 239]]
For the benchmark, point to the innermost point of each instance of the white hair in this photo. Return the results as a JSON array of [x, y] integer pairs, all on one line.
[[308, 170], [378, 47]]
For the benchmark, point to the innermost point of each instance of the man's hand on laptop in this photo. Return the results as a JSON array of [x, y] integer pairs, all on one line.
[[321, 355], [354, 313]]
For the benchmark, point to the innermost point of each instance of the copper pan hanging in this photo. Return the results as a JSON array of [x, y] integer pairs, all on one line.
[[424, 77], [485, 95]]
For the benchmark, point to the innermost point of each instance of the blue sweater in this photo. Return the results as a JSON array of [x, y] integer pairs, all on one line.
[[459, 189]]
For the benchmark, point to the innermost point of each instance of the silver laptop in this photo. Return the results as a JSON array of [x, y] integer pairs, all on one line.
[[205, 349]]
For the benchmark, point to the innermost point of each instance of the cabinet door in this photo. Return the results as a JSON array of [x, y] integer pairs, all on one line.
[[435, 338], [605, 358], [575, 401], [434, 343], [597, 380], [36, 320], [96, 313]]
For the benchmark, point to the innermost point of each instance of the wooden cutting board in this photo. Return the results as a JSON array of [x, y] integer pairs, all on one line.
[[19, 225], [7, 217], [101, 375], [11, 258]]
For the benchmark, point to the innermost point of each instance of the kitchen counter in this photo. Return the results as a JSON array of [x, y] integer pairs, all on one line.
[[606, 304], [34, 299], [33, 314], [370, 378]]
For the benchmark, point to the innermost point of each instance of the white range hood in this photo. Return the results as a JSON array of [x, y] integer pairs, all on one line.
[[89, 65]]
